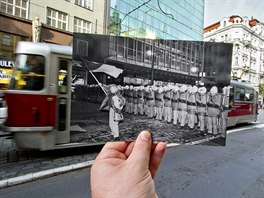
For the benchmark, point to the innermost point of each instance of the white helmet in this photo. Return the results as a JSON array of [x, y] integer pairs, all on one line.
[[214, 90], [202, 90], [194, 89], [113, 89], [183, 88]]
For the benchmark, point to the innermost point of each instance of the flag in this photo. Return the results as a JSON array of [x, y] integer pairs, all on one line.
[[100, 67]]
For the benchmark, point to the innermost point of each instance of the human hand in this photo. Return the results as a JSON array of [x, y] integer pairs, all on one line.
[[127, 169]]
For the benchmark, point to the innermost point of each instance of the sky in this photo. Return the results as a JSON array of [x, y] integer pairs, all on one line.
[[216, 10]]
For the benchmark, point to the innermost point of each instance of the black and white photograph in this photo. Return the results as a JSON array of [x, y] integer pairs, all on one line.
[[177, 90]]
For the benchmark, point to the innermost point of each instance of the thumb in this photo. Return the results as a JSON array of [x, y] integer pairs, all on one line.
[[140, 154]]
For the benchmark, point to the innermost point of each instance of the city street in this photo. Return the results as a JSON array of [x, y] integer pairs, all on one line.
[[75, 75], [235, 170]]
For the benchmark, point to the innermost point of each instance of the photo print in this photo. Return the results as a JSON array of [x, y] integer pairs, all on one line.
[[178, 90]]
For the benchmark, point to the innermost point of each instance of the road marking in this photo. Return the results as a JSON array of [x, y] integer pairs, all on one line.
[[261, 125]]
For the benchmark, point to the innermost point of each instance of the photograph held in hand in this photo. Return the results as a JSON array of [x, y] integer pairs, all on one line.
[[178, 90]]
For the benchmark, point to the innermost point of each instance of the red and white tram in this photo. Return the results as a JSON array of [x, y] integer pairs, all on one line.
[[243, 102], [39, 97]]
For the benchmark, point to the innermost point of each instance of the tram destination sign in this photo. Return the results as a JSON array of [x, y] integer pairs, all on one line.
[[178, 90]]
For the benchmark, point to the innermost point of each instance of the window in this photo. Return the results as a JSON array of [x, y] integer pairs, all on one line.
[[57, 19], [63, 76], [239, 94], [85, 3], [82, 26], [15, 7], [6, 40], [29, 73], [63, 87]]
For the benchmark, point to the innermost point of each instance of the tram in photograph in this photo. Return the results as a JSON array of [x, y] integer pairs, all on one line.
[[39, 97], [243, 103]]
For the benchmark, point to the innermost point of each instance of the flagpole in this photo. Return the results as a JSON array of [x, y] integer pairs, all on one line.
[[94, 76], [97, 82]]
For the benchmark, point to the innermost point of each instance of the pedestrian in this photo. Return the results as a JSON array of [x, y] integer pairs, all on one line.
[[213, 104], [167, 103], [175, 104], [201, 109], [224, 110], [192, 107], [183, 105], [135, 100], [159, 103], [146, 93], [116, 102], [151, 102], [130, 99], [141, 100], [126, 96]]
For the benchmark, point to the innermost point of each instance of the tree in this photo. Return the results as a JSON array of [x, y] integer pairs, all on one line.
[[261, 89], [115, 24]]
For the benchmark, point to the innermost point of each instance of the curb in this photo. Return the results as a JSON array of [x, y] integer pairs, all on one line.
[[42, 174], [52, 172]]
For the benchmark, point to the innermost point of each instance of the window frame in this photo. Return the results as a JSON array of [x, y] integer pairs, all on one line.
[[82, 27], [88, 4], [14, 7], [56, 18]]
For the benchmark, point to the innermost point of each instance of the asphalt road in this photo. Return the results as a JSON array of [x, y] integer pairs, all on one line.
[[236, 170]]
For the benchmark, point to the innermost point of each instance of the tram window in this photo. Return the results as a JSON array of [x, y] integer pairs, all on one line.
[[29, 73], [249, 95], [62, 114], [63, 76], [239, 94]]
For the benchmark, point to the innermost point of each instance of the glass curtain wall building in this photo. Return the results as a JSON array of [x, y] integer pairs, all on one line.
[[157, 19], [159, 29]]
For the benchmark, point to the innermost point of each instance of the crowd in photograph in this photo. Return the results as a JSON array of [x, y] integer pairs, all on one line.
[[185, 106]]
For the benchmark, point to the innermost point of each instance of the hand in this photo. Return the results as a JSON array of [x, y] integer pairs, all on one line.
[[127, 169]]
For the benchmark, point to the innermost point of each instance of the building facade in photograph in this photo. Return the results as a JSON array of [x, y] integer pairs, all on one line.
[[159, 19], [247, 36]]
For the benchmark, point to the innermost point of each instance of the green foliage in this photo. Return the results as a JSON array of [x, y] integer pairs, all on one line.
[[115, 24], [261, 89]]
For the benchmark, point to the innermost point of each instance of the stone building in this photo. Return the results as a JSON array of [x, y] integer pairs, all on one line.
[[58, 19], [247, 36]]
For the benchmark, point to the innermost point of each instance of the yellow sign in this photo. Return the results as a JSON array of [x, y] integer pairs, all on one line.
[[5, 75]]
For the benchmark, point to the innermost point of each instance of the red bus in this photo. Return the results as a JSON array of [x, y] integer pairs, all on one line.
[[243, 102]]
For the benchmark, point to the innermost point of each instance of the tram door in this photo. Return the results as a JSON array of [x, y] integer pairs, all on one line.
[[63, 99]]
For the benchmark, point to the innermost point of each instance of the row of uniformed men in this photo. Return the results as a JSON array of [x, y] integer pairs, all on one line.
[[180, 104]]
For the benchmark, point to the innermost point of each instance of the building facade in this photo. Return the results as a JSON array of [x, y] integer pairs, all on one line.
[[247, 36], [159, 19], [57, 21]]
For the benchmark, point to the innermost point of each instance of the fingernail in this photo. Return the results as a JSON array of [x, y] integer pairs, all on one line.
[[146, 136]]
